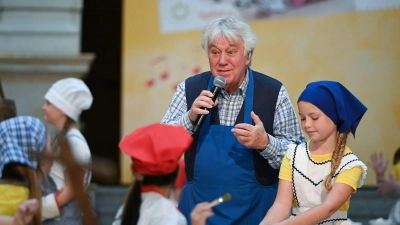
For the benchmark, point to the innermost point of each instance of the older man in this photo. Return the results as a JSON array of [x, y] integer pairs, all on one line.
[[240, 146]]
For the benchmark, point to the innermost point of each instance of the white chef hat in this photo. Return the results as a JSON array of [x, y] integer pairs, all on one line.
[[71, 96]]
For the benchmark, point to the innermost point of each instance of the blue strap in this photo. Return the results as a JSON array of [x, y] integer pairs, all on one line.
[[248, 103]]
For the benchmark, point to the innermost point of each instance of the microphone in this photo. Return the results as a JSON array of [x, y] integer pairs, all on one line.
[[219, 83]]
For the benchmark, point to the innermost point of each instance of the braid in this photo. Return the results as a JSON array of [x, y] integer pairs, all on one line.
[[61, 135], [336, 158]]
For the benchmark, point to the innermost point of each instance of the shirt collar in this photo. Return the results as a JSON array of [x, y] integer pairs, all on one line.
[[245, 83], [242, 88]]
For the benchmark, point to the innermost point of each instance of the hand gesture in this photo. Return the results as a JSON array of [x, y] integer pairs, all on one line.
[[378, 164], [200, 105], [252, 136]]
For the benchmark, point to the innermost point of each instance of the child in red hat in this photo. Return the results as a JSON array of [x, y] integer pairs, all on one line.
[[155, 151]]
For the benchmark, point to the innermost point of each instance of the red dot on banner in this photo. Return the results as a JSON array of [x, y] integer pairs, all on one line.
[[150, 83], [175, 87], [164, 76], [196, 70]]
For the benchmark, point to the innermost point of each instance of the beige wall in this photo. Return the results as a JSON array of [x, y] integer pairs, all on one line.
[[361, 50]]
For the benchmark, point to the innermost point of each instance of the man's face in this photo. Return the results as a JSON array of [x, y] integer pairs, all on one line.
[[226, 58]]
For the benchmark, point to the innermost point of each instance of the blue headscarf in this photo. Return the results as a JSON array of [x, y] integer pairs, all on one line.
[[20, 136], [338, 103]]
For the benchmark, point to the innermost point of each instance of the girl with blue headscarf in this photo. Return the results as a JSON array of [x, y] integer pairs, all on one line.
[[317, 178], [22, 140]]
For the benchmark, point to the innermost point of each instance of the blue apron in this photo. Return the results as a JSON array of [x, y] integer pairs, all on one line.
[[224, 165]]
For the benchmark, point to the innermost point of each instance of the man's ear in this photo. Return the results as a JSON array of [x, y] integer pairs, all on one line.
[[250, 54]]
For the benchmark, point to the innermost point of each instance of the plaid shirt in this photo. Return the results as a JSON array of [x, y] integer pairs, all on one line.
[[286, 126], [19, 136]]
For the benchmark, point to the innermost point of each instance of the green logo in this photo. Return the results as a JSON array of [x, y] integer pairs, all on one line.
[[180, 11]]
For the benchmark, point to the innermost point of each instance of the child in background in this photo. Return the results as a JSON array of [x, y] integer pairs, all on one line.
[[387, 186], [22, 140], [65, 101], [155, 151], [318, 177]]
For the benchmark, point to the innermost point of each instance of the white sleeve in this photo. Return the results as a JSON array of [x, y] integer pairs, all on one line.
[[80, 150], [50, 208]]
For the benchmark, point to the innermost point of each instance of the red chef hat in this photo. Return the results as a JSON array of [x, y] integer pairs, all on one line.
[[155, 149]]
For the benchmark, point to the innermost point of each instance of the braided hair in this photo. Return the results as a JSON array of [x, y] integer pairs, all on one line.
[[336, 158]]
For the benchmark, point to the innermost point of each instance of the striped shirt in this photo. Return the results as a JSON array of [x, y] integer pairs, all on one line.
[[286, 127]]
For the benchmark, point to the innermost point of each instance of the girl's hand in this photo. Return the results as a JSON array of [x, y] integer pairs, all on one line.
[[200, 213]]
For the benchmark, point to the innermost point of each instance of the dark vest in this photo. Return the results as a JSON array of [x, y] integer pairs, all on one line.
[[266, 87]]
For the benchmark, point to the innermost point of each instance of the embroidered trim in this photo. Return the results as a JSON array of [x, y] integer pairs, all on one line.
[[324, 162], [315, 184], [353, 163], [317, 163], [332, 220], [327, 221], [294, 188], [341, 168]]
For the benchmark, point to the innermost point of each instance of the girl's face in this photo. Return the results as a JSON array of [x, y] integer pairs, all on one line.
[[315, 123], [52, 114]]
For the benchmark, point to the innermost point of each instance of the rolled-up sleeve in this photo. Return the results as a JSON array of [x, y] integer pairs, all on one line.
[[286, 128], [177, 113]]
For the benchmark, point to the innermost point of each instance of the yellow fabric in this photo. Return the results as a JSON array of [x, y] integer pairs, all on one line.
[[349, 177], [10, 198], [396, 171]]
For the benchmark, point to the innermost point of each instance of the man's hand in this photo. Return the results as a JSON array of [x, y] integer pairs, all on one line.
[[203, 101], [252, 136]]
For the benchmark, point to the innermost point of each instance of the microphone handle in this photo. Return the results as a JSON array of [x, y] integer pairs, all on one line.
[[200, 118]]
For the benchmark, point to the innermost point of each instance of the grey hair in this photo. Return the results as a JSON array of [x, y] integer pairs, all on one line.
[[231, 27]]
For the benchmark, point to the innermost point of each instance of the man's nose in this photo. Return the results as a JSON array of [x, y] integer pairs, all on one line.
[[222, 59]]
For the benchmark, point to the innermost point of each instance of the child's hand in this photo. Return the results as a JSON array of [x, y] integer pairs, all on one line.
[[200, 213], [25, 212], [378, 164]]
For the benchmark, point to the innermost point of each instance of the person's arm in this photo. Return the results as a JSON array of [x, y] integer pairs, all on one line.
[[24, 214], [335, 198], [67, 194], [387, 186], [177, 113], [50, 208], [286, 131], [280, 210], [52, 203]]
